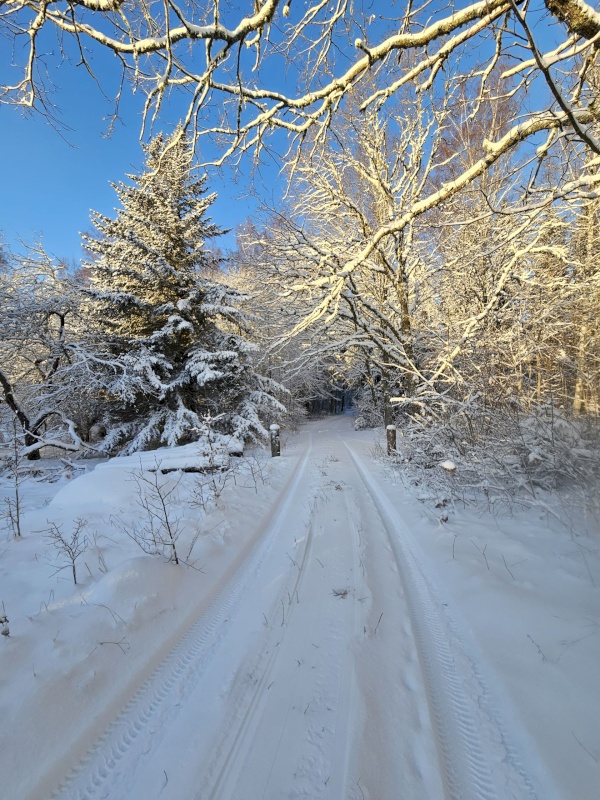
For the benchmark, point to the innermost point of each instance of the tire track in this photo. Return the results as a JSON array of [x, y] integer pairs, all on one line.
[[348, 689], [478, 761], [258, 688], [236, 751], [180, 671]]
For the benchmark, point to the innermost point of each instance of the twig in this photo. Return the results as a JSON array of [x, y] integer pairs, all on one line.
[[114, 614], [591, 755], [376, 626], [482, 552], [587, 566], [360, 787], [507, 569], [539, 649], [119, 644], [292, 560]]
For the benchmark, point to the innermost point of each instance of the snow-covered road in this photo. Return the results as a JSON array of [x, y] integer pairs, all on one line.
[[324, 666]]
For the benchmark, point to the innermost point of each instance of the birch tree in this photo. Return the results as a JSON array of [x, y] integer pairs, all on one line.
[[372, 167], [582, 310], [424, 311]]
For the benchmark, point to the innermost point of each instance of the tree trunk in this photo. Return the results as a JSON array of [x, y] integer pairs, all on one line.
[[578, 394], [385, 398], [20, 415]]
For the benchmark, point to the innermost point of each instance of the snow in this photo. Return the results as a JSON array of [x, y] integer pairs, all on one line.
[[332, 637], [448, 465]]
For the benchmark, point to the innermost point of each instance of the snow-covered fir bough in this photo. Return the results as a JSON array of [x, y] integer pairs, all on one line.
[[170, 329]]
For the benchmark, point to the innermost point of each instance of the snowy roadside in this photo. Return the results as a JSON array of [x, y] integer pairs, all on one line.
[[523, 588], [76, 653]]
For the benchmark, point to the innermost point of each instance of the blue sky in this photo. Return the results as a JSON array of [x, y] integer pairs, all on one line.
[[51, 180]]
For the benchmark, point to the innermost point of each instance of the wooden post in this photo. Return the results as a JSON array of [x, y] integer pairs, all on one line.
[[391, 439], [275, 441]]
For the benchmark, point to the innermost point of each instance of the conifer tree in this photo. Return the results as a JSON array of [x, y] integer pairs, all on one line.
[[171, 331]]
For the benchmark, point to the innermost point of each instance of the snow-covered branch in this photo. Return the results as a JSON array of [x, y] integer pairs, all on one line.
[[222, 57]]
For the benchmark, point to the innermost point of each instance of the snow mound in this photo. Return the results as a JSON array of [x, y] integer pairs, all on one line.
[[101, 490], [132, 582], [112, 484], [196, 456]]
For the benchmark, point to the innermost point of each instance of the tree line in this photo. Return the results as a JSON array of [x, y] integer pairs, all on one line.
[[436, 250], [146, 341]]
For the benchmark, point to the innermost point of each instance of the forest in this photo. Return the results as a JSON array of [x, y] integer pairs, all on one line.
[[434, 254]]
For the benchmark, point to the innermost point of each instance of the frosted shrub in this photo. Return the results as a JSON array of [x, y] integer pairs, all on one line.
[[553, 449], [368, 415], [501, 454], [69, 546], [160, 521]]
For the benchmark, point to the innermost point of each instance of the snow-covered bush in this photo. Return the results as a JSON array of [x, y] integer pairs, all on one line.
[[159, 524], [556, 451], [501, 454], [43, 375], [369, 413]]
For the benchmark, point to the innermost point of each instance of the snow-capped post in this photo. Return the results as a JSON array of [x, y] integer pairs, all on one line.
[[275, 441], [391, 439]]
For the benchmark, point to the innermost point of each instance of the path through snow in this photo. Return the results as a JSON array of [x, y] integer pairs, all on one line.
[[325, 666]]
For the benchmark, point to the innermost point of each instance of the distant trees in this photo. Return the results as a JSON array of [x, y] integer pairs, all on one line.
[[39, 362], [3, 256], [582, 343], [306, 364], [167, 329], [480, 296]]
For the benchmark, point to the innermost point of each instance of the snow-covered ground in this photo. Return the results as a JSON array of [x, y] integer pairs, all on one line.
[[329, 637]]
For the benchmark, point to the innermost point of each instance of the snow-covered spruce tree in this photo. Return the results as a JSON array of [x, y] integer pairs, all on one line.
[[170, 329]]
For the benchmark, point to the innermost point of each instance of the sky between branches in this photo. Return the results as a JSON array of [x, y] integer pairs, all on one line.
[[54, 174]]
